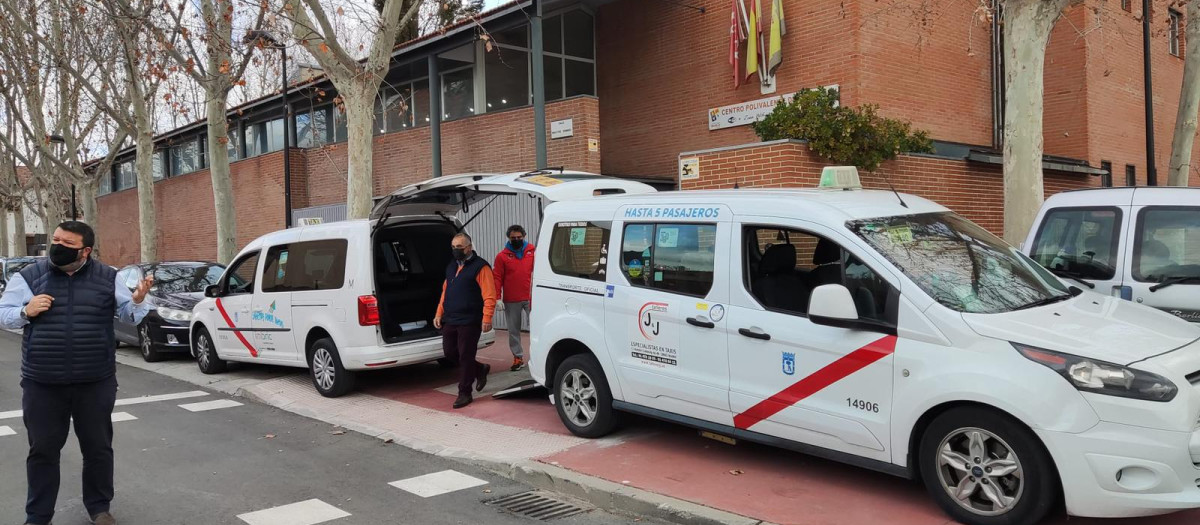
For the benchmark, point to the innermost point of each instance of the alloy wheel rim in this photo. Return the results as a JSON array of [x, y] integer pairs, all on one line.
[[980, 472], [578, 398], [147, 346], [323, 368], [202, 347]]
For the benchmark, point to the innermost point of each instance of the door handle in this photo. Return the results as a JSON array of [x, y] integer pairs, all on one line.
[[754, 334], [696, 321]]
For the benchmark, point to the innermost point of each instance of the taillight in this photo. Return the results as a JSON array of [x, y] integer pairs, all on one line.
[[368, 310]]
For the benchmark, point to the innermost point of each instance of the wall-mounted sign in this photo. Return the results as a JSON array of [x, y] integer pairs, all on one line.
[[561, 129], [689, 168], [593, 145], [745, 113]]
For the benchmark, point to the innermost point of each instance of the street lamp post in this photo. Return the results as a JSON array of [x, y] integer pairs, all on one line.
[[57, 139], [269, 41], [1151, 170]]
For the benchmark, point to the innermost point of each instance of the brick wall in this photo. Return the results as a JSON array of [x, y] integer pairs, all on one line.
[[972, 189], [494, 142]]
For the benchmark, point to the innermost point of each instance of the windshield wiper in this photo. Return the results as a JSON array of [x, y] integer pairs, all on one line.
[[1049, 300], [1074, 276], [1175, 280]]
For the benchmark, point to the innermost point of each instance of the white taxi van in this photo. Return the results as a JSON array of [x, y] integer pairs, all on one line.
[[356, 295], [869, 327], [1139, 244]]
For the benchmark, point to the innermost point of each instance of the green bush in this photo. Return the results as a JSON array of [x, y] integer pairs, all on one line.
[[844, 135]]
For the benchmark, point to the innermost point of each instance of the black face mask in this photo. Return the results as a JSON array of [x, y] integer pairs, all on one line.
[[459, 254], [62, 256], [517, 244]]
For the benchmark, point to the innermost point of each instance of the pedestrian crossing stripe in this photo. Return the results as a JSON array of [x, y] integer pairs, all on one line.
[[310, 512], [118, 417], [438, 483], [7, 431], [210, 405]]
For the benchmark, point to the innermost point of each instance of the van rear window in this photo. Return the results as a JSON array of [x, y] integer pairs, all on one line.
[[580, 249]]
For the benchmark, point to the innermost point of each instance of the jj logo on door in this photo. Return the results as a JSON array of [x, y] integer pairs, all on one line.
[[789, 363]]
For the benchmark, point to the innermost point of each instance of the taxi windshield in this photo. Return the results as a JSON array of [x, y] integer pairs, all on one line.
[[960, 264]]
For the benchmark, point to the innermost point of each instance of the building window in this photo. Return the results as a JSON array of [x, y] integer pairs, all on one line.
[[158, 165], [1106, 178], [1130, 175], [1173, 31], [105, 186], [264, 137], [507, 74], [457, 68], [570, 54], [126, 176], [185, 158], [1127, 5], [312, 127]]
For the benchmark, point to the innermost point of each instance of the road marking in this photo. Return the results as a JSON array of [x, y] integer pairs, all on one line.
[[210, 405], [819, 380], [7, 431], [162, 397], [308, 512], [438, 483], [118, 417], [12, 414]]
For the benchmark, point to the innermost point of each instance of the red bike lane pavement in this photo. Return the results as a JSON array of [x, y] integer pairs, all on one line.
[[756, 481]]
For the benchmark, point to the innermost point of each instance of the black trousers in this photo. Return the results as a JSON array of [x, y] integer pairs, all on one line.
[[48, 412], [460, 343]]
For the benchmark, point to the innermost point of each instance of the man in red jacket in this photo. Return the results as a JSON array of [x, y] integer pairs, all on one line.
[[514, 276]]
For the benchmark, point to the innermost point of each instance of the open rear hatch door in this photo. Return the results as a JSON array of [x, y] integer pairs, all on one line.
[[471, 193]]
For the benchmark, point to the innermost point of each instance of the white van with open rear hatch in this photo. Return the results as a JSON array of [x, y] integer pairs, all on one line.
[[356, 295], [1139, 244], [874, 328]]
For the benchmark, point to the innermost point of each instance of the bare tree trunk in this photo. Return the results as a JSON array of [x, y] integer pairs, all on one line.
[[19, 242], [1027, 27], [89, 208], [147, 222], [53, 211], [360, 113], [222, 184], [7, 238], [1189, 102]]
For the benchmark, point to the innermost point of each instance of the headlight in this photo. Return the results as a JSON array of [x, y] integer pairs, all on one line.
[[1090, 375], [172, 314]]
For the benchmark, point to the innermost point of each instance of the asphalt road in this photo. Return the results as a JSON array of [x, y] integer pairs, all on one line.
[[175, 466]]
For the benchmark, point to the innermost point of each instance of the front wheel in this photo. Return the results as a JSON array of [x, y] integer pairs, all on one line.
[[582, 397], [985, 468], [325, 367], [206, 353], [149, 353]]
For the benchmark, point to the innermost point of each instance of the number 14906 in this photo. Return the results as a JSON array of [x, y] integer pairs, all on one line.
[[863, 405]]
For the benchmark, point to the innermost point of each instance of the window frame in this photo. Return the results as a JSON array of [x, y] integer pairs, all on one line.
[[654, 254], [891, 308], [1135, 266], [1130, 175], [232, 269], [289, 248], [1175, 32], [1114, 247], [1106, 180], [605, 243]]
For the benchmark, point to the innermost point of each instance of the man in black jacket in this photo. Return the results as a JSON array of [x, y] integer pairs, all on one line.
[[66, 304]]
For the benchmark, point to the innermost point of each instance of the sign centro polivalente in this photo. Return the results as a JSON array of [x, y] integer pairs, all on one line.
[[746, 113]]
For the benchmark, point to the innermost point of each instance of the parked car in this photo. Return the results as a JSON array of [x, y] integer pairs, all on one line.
[[357, 295], [873, 328], [12, 265], [1139, 244], [178, 286]]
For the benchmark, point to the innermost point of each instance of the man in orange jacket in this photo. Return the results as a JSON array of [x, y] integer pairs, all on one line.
[[464, 313], [514, 279]]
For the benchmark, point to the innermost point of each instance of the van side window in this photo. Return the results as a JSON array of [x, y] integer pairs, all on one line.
[[783, 266], [1082, 241], [580, 249], [240, 277], [305, 266], [672, 257], [1167, 243]]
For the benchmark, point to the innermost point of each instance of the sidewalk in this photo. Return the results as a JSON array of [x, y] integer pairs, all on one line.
[[647, 467]]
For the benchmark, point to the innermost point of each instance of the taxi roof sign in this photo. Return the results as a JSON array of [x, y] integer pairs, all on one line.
[[840, 178]]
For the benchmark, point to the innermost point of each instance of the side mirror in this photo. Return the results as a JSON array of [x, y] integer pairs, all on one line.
[[832, 305], [212, 290]]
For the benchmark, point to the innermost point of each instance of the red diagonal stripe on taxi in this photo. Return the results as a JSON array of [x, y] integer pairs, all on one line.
[[236, 332], [819, 380]]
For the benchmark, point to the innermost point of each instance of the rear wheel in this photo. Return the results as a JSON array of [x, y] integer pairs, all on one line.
[[206, 353], [325, 367], [149, 353], [985, 468], [582, 397]]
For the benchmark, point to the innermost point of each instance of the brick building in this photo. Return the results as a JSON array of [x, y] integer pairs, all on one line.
[[629, 86]]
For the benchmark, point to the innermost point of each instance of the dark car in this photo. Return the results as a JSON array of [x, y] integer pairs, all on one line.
[[13, 265], [178, 286]]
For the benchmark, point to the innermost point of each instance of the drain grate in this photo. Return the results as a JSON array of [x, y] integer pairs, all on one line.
[[539, 505]]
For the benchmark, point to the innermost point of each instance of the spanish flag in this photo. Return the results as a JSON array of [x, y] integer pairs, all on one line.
[[754, 46], [778, 29]]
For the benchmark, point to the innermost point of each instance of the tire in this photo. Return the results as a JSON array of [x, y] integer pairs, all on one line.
[[329, 377], [146, 344], [582, 397], [206, 353], [985, 442]]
